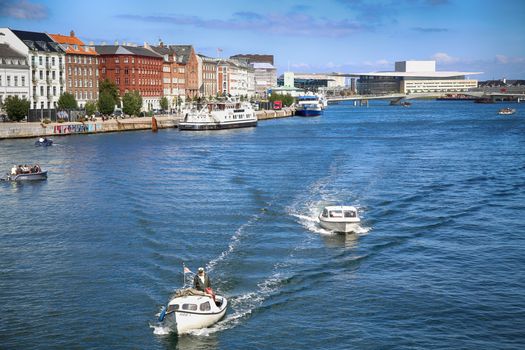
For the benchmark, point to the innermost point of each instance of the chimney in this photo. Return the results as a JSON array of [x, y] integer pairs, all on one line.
[[72, 33]]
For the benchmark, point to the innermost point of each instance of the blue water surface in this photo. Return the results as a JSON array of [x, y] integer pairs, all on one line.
[[88, 257]]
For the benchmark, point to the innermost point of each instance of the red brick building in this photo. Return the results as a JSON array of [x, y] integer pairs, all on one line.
[[133, 68], [81, 68], [180, 72]]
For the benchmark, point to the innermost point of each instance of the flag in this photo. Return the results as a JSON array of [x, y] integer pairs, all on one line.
[[186, 270]]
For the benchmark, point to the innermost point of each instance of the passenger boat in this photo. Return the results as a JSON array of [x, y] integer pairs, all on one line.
[[220, 115], [506, 111], [308, 106], [43, 141], [190, 309], [339, 219], [25, 173]]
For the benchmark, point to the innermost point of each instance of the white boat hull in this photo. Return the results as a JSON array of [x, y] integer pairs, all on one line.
[[183, 321], [344, 227]]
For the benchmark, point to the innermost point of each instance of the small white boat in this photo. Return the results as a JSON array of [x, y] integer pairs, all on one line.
[[190, 309], [219, 115], [506, 111], [340, 219], [26, 173]]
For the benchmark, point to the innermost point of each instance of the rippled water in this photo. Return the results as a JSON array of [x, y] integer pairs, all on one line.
[[88, 257]]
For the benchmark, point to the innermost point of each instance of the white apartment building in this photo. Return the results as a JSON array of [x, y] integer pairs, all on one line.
[[14, 68], [265, 77], [47, 66]]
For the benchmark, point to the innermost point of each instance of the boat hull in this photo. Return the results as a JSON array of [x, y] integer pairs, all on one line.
[[184, 321], [308, 112], [28, 177], [215, 126], [343, 227]]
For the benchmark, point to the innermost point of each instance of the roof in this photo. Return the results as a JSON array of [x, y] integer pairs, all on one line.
[[182, 52], [37, 41], [125, 50], [68, 43], [262, 65], [7, 51], [415, 74]]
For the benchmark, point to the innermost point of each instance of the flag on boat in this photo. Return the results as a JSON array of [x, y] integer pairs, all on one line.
[[186, 270]]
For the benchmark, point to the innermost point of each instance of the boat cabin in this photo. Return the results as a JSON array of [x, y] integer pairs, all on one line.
[[339, 212]]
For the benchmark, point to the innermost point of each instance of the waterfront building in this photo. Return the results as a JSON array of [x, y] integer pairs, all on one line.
[[133, 68], [208, 84], [81, 68], [254, 58], [14, 67], [236, 78], [47, 66], [414, 77], [180, 71], [265, 77], [315, 81]]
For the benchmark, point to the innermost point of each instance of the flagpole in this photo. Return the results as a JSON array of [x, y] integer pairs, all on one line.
[[183, 275]]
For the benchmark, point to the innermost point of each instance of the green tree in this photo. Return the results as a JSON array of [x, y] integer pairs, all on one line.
[[91, 108], [287, 99], [106, 103], [16, 108], [132, 103], [110, 87], [67, 101], [164, 104]]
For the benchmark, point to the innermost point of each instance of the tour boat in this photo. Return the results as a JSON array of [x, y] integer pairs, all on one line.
[[507, 111], [339, 219], [190, 309], [43, 141], [308, 106], [220, 115], [25, 173]]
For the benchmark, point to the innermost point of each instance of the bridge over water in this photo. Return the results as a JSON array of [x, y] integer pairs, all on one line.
[[397, 97]]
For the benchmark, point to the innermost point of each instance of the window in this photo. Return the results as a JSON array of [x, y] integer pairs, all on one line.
[[350, 214], [125, 60], [40, 60], [52, 61], [172, 308], [205, 306], [117, 60], [192, 307], [68, 59], [16, 80], [8, 80], [54, 90]]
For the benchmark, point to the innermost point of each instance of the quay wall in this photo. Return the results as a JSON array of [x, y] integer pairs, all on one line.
[[32, 130]]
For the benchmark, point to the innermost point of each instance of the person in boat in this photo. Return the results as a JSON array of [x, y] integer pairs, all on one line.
[[201, 281]]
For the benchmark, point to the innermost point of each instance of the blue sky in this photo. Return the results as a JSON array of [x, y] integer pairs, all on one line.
[[307, 36]]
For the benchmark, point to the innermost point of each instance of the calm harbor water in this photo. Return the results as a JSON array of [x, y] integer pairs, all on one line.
[[88, 257]]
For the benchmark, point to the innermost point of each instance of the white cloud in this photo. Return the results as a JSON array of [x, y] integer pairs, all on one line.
[[442, 57], [22, 10]]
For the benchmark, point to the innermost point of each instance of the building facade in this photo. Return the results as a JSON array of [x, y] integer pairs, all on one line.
[[14, 73], [81, 68], [133, 68], [254, 58], [414, 77], [235, 78], [208, 83], [265, 78], [47, 66]]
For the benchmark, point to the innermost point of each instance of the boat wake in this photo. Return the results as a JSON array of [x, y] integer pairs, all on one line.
[[235, 240]]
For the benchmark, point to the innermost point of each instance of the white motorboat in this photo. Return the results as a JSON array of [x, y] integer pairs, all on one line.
[[506, 111], [340, 219], [219, 115], [190, 309], [26, 173]]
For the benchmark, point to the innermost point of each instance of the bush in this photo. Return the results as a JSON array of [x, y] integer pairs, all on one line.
[[16, 107]]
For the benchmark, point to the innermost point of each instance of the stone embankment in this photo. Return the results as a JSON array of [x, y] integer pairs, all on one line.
[[28, 130]]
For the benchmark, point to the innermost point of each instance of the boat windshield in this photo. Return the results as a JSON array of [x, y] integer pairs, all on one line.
[[325, 213], [336, 213], [350, 214]]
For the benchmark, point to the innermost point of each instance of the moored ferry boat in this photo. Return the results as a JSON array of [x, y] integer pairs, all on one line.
[[308, 106], [219, 115]]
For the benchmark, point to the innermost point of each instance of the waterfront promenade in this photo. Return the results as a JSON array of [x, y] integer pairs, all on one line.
[[28, 130]]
